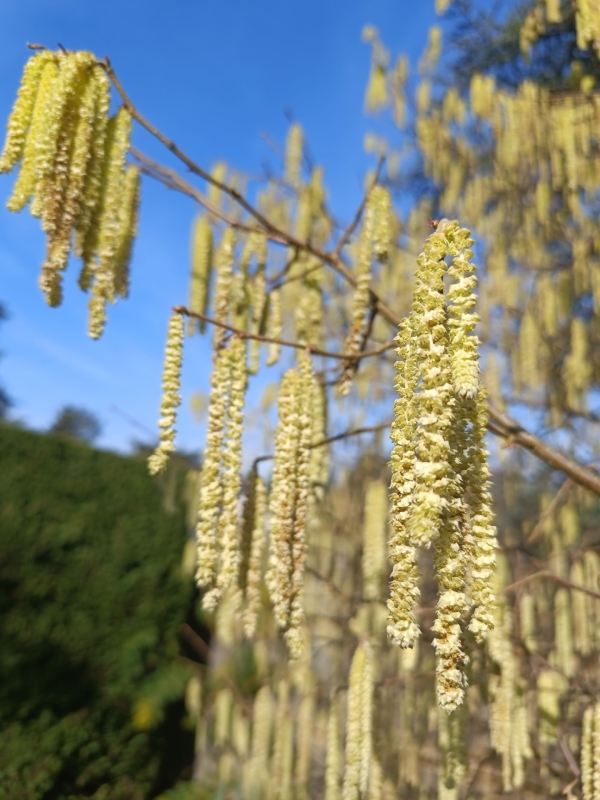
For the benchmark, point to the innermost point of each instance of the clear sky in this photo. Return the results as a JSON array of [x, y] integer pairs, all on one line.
[[212, 76]]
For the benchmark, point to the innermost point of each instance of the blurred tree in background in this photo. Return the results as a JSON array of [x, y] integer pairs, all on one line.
[[78, 423], [93, 595], [475, 674]]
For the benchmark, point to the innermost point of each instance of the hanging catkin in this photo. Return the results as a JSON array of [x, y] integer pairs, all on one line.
[[293, 155], [57, 131], [274, 326], [359, 746], [252, 547], [360, 299], [231, 466], [201, 251], [224, 260], [439, 461], [332, 767], [171, 399], [211, 488], [289, 502], [374, 539]]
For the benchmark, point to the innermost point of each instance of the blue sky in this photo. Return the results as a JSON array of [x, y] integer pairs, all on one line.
[[213, 77]]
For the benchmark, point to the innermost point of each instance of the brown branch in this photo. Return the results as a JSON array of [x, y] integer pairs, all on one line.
[[298, 345], [359, 212], [510, 429], [546, 573]]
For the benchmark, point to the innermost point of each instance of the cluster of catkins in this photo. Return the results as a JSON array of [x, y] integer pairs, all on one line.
[[440, 476], [72, 169]]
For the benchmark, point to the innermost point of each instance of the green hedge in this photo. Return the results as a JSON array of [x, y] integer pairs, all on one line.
[[91, 598]]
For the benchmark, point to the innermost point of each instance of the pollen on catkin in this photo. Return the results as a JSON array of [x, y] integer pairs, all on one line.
[[171, 399], [274, 326], [231, 466], [253, 540], [224, 260], [440, 477], [21, 115], [374, 539], [332, 765], [293, 155], [201, 248], [211, 487], [359, 746], [360, 298], [289, 503]]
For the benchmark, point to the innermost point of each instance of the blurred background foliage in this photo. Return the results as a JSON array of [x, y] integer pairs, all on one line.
[[92, 596]]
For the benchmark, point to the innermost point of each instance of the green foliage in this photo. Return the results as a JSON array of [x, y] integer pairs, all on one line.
[[91, 600]]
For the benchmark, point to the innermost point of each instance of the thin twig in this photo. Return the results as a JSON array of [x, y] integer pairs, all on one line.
[[546, 573], [283, 342], [338, 437]]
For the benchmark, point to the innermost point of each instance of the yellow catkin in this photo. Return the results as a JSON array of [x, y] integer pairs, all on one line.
[[262, 724], [211, 488], [304, 744], [527, 622], [28, 178], [360, 298], [201, 252], [290, 502], [319, 461], [223, 706], [230, 477], [274, 326], [563, 632], [127, 229], [374, 539], [587, 755], [87, 223], [596, 751], [352, 770], [224, 260], [21, 115], [253, 545], [332, 767], [281, 766], [293, 155], [171, 398]]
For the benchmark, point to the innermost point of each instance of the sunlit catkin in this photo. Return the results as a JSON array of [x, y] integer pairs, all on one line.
[[27, 179], [439, 462], [171, 399], [274, 326], [201, 252], [374, 539], [332, 766], [211, 488], [587, 755], [293, 155], [289, 503], [224, 260], [352, 770], [21, 115], [231, 477], [360, 299], [403, 628], [252, 547]]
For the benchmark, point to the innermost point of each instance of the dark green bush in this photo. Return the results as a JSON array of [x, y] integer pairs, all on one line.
[[91, 598]]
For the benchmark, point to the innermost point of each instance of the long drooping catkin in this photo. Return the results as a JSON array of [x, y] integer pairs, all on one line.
[[440, 477], [211, 488], [170, 395], [252, 546], [289, 502], [201, 248]]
